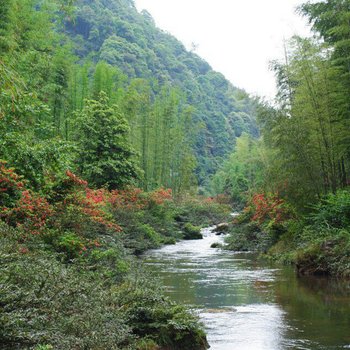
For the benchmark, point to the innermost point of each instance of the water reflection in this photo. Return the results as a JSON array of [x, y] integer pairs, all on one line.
[[246, 304]]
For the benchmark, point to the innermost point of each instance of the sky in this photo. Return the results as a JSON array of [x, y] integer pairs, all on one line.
[[238, 38]]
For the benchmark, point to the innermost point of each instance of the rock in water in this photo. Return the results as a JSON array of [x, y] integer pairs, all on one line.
[[221, 229]]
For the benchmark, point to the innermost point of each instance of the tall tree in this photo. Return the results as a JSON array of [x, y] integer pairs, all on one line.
[[105, 156]]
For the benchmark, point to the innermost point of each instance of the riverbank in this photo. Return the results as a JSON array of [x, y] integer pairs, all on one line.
[[70, 276], [316, 244]]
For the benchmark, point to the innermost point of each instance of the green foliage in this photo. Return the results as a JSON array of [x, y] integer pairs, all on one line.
[[43, 347], [151, 315], [45, 302], [5, 25], [314, 250], [42, 162], [333, 211], [306, 134], [105, 157], [160, 131], [192, 232], [70, 244], [247, 237], [116, 33], [330, 19], [243, 173], [201, 212], [318, 244]]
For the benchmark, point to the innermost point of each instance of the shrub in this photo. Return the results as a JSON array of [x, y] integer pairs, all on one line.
[[201, 211], [11, 185], [153, 316], [270, 208], [334, 210], [192, 232], [46, 302], [31, 212]]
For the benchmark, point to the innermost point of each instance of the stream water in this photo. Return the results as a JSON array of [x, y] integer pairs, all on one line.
[[247, 304]]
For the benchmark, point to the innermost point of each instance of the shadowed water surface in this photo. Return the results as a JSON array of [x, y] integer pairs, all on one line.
[[249, 305]]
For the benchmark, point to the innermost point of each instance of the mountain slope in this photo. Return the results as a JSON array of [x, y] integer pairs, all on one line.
[[115, 32]]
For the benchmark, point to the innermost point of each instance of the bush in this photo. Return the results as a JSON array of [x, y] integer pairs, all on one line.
[[192, 232], [247, 237], [155, 317], [47, 304], [202, 212], [332, 211]]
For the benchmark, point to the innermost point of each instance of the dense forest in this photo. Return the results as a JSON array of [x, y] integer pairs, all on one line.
[[115, 139]]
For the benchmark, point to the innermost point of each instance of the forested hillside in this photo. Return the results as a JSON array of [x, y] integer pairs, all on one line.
[[114, 32], [182, 115]]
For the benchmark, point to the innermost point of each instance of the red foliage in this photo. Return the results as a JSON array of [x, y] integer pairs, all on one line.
[[267, 207], [161, 195], [93, 204], [96, 212], [97, 196], [98, 215], [9, 180], [21, 207], [76, 180], [130, 199], [31, 212]]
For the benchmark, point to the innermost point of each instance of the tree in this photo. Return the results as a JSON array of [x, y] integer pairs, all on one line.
[[105, 156], [5, 25], [331, 20], [242, 173], [307, 135]]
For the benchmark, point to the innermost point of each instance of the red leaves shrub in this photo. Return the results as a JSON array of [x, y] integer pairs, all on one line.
[[11, 185], [161, 195], [130, 199], [75, 179], [101, 196], [269, 207], [31, 212], [85, 205], [97, 212], [77, 207], [21, 207]]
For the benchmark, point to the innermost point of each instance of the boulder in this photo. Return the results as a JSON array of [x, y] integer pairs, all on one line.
[[192, 232], [221, 229]]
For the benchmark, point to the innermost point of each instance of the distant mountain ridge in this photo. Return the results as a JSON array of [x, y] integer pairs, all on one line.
[[115, 32]]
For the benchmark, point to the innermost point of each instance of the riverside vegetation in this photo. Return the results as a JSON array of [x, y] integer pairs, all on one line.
[[97, 164], [294, 180], [68, 277]]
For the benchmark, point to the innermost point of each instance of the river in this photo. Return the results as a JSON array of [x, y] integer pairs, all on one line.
[[246, 304]]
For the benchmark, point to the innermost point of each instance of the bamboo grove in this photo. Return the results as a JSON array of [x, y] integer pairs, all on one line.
[[303, 153], [56, 108]]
